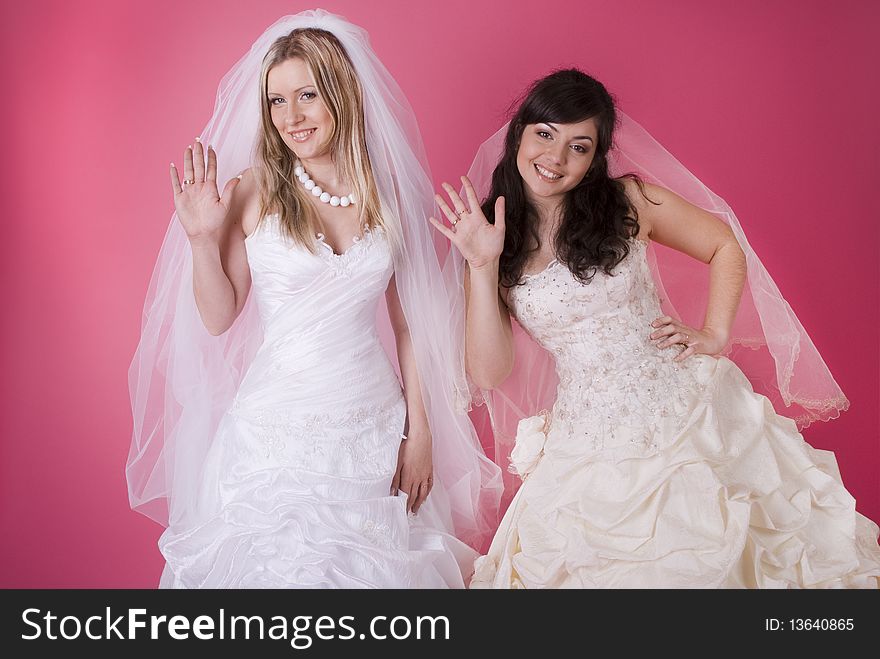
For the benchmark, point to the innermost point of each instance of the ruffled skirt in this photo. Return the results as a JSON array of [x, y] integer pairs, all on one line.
[[304, 502], [732, 498]]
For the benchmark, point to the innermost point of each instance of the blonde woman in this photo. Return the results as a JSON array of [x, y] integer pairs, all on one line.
[[286, 450]]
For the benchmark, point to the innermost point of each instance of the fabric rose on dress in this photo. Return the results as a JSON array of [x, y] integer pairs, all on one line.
[[484, 572], [529, 446]]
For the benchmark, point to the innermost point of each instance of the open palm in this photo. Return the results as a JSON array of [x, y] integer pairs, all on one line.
[[201, 210], [478, 241]]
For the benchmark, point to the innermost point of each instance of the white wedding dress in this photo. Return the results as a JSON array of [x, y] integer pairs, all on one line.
[[649, 474], [296, 487]]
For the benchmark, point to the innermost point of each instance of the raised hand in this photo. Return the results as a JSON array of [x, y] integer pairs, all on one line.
[[478, 241], [200, 208]]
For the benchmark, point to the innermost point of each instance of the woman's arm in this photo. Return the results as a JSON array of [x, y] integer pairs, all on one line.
[[214, 226], [488, 336], [414, 473], [678, 224]]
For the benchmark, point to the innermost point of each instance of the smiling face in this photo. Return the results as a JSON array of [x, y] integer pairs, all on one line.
[[553, 158], [298, 113]]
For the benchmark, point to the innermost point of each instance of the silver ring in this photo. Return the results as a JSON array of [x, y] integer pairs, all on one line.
[[188, 181]]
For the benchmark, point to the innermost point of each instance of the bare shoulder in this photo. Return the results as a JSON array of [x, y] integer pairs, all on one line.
[[643, 195], [647, 199]]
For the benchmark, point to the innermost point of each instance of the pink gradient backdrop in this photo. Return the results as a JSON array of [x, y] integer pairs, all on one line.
[[773, 105]]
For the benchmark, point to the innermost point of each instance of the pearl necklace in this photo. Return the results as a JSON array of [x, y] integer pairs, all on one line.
[[316, 190]]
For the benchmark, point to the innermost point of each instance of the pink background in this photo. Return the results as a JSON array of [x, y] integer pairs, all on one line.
[[771, 104]]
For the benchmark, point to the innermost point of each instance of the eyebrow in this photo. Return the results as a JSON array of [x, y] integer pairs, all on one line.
[[579, 137], [295, 91]]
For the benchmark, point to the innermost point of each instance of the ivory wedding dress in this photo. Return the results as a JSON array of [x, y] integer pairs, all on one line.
[[648, 473]]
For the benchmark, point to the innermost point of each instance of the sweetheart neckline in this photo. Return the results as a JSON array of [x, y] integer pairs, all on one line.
[[367, 237], [556, 262]]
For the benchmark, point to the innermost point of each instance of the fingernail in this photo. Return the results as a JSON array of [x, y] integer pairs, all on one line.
[[197, 139], [238, 177]]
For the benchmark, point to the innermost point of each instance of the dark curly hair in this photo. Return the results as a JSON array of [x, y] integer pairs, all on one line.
[[597, 216]]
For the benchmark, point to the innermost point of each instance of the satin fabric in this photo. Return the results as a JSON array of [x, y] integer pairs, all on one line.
[[295, 490], [649, 474]]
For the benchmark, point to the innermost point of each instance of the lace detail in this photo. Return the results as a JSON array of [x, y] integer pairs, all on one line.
[[358, 437], [615, 387], [377, 533], [343, 264], [552, 264]]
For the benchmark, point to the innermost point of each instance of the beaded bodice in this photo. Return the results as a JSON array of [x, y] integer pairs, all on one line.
[[615, 387]]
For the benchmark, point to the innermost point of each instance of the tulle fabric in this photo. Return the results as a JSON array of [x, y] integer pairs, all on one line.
[[767, 340], [182, 379]]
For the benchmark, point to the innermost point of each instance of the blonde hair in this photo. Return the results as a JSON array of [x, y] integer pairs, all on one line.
[[340, 92]]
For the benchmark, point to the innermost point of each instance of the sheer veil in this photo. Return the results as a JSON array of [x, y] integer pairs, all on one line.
[[182, 379]]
